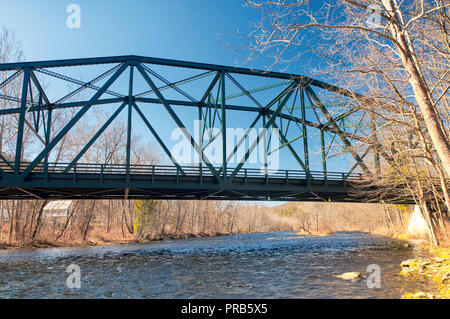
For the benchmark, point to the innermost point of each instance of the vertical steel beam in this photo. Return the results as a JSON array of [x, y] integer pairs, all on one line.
[[200, 136], [129, 122], [265, 145], [224, 125], [305, 130], [47, 139], [324, 155], [376, 154], [20, 128]]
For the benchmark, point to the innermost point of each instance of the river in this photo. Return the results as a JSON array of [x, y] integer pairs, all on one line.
[[262, 265]]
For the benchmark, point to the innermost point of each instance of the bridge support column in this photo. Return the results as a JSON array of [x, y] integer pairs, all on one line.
[[20, 128]]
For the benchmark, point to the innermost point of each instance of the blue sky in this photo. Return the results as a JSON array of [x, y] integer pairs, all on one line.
[[194, 30]]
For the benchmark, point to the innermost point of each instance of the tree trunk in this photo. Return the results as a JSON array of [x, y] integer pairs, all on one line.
[[39, 220], [141, 221], [419, 86], [431, 234], [68, 219], [88, 222]]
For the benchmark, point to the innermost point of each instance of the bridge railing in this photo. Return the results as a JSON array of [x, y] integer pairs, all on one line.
[[200, 170]]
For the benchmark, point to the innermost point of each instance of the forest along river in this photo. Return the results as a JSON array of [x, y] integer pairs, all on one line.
[[264, 265]]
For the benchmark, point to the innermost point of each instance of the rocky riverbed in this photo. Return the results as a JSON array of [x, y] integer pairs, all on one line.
[[436, 269]]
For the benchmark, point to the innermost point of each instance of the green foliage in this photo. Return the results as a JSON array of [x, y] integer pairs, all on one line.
[[137, 209], [288, 212]]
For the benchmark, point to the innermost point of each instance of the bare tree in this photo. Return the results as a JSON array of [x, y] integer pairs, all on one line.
[[397, 54]]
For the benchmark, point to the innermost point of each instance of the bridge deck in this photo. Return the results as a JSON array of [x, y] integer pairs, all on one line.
[[107, 181]]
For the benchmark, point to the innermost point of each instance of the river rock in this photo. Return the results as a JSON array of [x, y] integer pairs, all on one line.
[[408, 263], [350, 276], [422, 295], [446, 277]]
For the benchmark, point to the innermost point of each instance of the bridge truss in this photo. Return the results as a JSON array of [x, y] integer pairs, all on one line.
[[43, 109]]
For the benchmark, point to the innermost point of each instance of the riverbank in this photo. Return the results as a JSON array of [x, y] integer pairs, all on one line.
[[436, 269], [131, 240], [101, 239], [102, 242]]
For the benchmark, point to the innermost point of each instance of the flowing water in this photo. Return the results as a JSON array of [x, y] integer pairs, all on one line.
[[264, 265]]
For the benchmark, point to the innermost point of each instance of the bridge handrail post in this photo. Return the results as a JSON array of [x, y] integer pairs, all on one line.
[[75, 172], [287, 178], [245, 176], [308, 178], [46, 170], [201, 173], [325, 178], [178, 178], [153, 174], [343, 178], [102, 168]]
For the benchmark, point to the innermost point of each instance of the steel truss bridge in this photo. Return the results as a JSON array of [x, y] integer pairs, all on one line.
[[312, 131]]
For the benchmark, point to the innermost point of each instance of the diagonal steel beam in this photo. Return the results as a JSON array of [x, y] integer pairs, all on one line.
[[279, 97], [288, 92], [178, 83], [247, 132], [36, 133], [178, 121], [14, 76], [258, 117], [291, 149], [356, 164], [168, 83], [243, 90], [73, 121], [158, 138], [210, 87], [75, 81], [95, 137], [39, 87], [338, 131], [88, 84]]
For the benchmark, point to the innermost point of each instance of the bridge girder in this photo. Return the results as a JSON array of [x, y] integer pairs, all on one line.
[[33, 108]]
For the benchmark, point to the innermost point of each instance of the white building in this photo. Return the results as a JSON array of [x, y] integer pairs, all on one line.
[[59, 208], [4, 215], [417, 226]]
